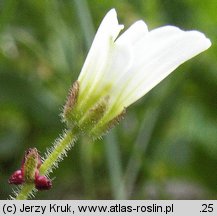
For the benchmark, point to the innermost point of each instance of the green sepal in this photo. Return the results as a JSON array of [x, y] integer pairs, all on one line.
[[30, 165], [93, 115], [68, 112], [103, 127]]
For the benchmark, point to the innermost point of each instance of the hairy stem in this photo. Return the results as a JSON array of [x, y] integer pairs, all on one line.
[[55, 155]]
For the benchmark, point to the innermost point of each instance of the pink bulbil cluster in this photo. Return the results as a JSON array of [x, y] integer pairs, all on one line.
[[41, 182]]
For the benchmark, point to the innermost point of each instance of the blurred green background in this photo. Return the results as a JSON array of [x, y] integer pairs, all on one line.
[[165, 148]]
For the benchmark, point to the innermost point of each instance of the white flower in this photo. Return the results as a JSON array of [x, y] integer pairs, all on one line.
[[120, 70]]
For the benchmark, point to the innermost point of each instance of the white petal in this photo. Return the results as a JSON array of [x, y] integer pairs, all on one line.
[[161, 52], [134, 33], [121, 56], [100, 49], [128, 81], [120, 61]]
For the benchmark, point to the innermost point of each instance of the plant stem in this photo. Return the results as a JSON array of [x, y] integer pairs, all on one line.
[[25, 192], [54, 156]]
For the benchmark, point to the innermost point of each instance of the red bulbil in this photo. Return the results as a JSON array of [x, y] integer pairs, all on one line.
[[16, 178], [42, 183]]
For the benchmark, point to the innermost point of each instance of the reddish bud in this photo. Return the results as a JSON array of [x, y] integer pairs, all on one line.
[[42, 182], [16, 178]]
